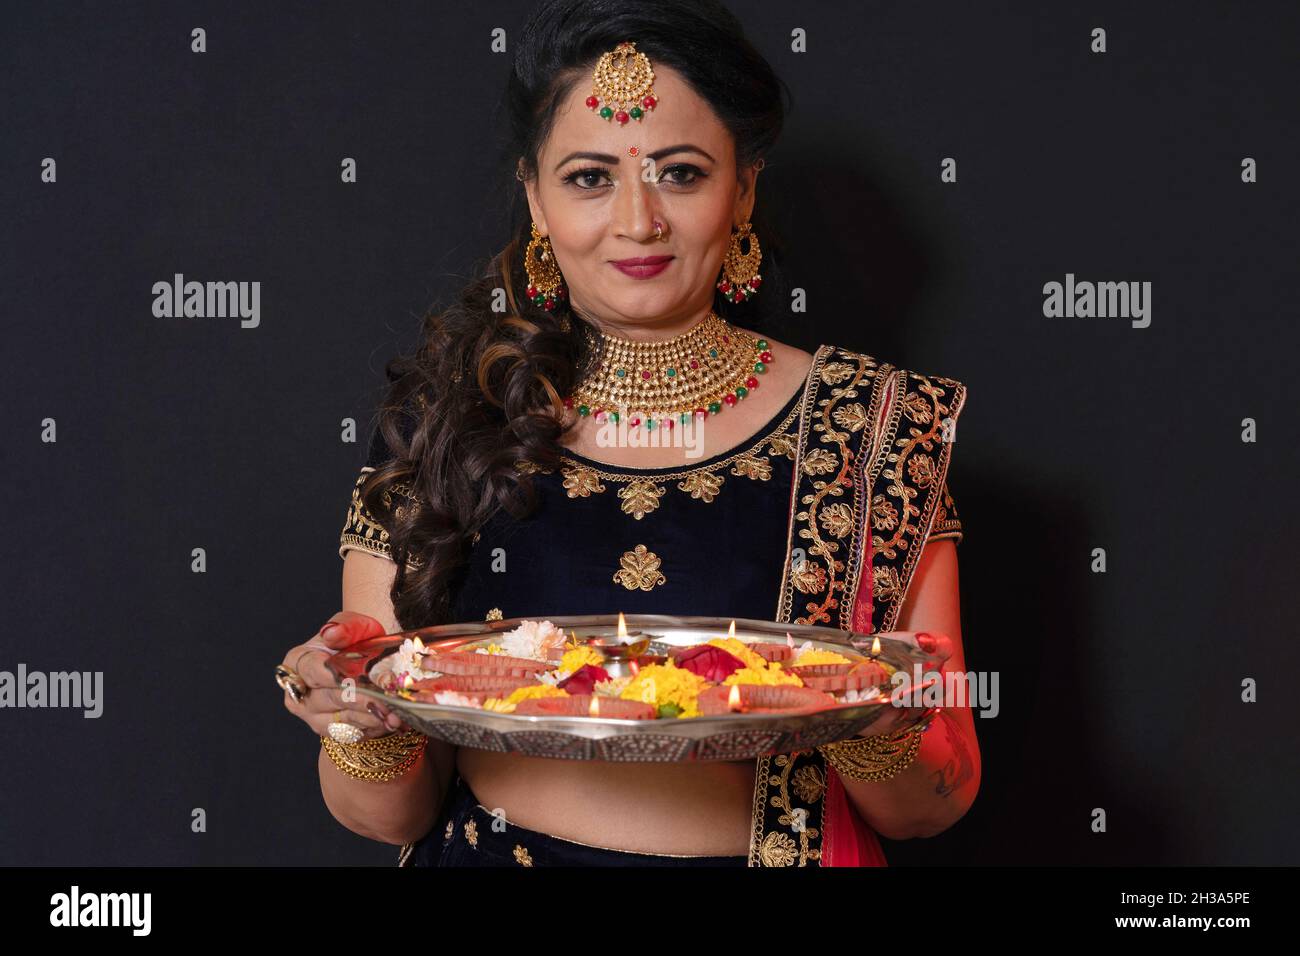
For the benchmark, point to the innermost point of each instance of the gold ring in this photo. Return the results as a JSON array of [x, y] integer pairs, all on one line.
[[292, 682]]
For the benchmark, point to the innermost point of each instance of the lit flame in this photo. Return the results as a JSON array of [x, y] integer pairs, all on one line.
[[731, 631], [622, 629], [408, 680], [594, 709], [875, 646], [733, 699]]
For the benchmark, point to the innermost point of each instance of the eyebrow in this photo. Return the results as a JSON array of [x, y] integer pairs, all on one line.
[[656, 155]]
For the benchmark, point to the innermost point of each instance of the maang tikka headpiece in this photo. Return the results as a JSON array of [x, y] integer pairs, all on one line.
[[622, 85]]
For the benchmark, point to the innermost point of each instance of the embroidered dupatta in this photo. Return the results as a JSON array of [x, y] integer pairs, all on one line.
[[870, 471]]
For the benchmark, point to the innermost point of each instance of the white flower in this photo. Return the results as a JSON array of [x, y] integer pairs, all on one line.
[[382, 673], [856, 696], [409, 657], [804, 648], [454, 699], [612, 687], [553, 677], [532, 639]]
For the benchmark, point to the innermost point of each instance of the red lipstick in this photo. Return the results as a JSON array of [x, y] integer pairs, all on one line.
[[643, 267]]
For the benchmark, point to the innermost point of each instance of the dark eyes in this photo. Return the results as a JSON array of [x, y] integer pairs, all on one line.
[[678, 174]]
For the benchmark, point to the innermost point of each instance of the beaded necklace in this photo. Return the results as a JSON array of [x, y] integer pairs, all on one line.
[[659, 384]]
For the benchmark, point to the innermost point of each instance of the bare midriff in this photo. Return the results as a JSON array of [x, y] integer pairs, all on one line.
[[694, 809]]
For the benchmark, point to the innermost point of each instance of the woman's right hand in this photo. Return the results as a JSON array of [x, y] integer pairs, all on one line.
[[324, 702]]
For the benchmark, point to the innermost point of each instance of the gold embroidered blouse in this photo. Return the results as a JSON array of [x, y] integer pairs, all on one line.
[[705, 540]]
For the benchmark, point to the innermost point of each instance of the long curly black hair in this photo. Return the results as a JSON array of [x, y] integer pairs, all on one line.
[[463, 408]]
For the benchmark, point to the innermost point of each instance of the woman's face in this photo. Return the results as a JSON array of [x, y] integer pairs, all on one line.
[[598, 204]]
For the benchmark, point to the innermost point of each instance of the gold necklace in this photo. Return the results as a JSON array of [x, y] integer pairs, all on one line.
[[659, 384]]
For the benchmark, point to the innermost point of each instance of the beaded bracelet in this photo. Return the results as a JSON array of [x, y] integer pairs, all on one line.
[[377, 759]]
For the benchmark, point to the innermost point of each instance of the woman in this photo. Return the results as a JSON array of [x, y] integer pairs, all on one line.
[[491, 489]]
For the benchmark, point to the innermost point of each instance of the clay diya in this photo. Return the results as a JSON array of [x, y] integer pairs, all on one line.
[[476, 685], [771, 651], [761, 699], [469, 662], [839, 677]]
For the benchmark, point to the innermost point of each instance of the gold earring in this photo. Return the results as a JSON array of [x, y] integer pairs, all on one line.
[[545, 282], [740, 279]]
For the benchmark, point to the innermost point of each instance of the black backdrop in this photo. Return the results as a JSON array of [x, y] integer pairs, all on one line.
[[1119, 690]]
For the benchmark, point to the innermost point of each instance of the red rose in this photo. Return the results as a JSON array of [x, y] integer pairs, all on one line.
[[710, 662], [583, 680]]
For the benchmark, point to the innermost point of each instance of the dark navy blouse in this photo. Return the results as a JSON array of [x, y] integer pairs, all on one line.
[[706, 539]]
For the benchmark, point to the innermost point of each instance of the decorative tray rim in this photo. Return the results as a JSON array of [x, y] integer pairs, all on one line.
[[716, 736]]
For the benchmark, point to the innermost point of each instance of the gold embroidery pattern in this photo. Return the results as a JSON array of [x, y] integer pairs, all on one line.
[[471, 833], [822, 475], [808, 784], [809, 577], [900, 479], [404, 854], [580, 481], [360, 528], [799, 846], [752, 466], [704, 485], [640, 498], [947, 523], [522, 857], [644, 491], [915, 484], [782, 445], [639, 568]]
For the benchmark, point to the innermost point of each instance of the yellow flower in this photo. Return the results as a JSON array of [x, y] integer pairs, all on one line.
[[507, 706], [533, 691], [667, 684], [767, 675], [576, 657], [815, 656]]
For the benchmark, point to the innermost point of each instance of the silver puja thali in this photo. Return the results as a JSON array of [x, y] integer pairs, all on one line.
[[728, 736]]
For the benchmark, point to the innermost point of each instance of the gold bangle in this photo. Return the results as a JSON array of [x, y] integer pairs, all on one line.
[[875, 758], [379, 758]]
